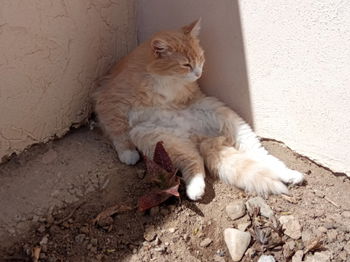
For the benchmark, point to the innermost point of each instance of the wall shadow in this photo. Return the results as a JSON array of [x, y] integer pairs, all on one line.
[[225, 71]]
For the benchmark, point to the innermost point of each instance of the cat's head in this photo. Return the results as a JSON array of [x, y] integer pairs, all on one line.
[[178, 53]]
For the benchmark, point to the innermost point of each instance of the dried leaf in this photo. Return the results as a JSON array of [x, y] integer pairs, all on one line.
[[162, 172], [105, 217], [162, 158], [157, 197], [156, 173]]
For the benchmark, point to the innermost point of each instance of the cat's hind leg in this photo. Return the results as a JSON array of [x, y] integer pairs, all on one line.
[[239, 169], [183, 153], [239, 133]]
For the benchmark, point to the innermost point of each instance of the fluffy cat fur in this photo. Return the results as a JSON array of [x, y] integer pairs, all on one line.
[[152, 95]]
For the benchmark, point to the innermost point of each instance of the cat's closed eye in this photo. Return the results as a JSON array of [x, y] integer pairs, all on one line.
[[187, 65]]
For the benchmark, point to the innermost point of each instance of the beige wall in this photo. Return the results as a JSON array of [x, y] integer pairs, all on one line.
[[51, 52], [283, 65]]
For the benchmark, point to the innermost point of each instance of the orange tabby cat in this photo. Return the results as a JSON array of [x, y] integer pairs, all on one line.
[[152, 95]]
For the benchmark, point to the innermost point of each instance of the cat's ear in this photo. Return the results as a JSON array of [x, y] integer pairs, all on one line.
[[193, 29], [160, 46]]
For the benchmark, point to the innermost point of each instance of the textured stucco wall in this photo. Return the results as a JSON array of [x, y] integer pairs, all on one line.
[[283, 65], [51, 52]]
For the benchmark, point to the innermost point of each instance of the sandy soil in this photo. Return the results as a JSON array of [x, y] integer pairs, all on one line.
[[50, 194]]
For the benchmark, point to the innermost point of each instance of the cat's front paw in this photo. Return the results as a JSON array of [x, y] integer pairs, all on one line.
[[292, 177], [195, 187], [295, 177], [129, 157]]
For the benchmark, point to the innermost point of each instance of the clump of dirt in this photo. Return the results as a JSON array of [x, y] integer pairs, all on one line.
[[182, 230]]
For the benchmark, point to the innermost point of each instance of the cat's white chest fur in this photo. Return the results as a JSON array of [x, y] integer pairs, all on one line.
[[182, 123]]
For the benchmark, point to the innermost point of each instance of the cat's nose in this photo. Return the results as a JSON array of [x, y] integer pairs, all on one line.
[[197, 72]]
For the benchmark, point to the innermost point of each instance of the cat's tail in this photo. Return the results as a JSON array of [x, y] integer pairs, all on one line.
[[240, 169]]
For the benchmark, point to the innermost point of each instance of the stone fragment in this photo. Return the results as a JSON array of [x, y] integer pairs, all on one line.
[[235, 209], [319, 257], [264, 258], [206, 242], [347, 248], [80, 238], [332, 235], [243, 226], [172, 230], [259, 202], [150, 233], [346, 214], [322, 229], [237, 242], [298, 256], [154, 211], [306, 235], [291, 226]]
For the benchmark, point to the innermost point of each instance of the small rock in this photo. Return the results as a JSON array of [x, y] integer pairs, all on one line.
[[44, 240], [206, 242], [217, 258], [290, 244], [343, 255], [346, 214], [84, 230], [94, 241], [322, 229], [220, 252], [264, 258], [164, 211], [332, 235], [319, 193], [41, 229], [347, 248], [157, 241], [259, 202], [149, 233], [243, 226], [140, 173], [237, 242], [160, 249], [307, 235], [172, 230], [298, 256], [288, 248], [186, 237], [319, 257], [80, 238], [235, 209], [291, 226], [154, 211], [319, 213]]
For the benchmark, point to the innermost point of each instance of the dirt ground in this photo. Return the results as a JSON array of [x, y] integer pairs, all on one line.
[[50, 194]]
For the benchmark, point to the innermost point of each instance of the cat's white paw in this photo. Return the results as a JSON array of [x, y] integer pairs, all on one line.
[[295, 177], [129, 157], [292, 177], [196, 187]]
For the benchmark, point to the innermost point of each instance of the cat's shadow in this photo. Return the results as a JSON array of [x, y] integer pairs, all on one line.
[[209, 195]]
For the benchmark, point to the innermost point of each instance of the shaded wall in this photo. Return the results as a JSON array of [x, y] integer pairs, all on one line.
[[51, 52], [283, 65]]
